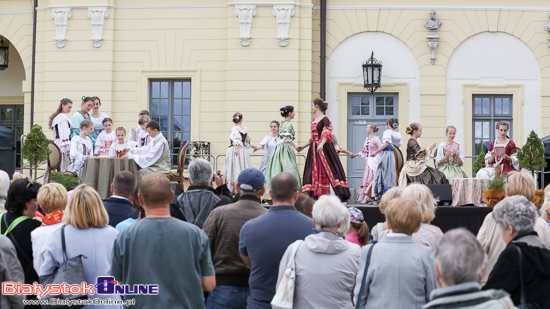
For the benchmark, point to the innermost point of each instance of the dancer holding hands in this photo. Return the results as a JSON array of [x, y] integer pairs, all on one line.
[[237, 158], [365, 193], [268, 143], [450, 157], [323, 169], [386, 175], [283, 158]]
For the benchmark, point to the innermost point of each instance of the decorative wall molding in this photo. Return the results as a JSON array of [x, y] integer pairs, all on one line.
[[15, 12], [441, 8], [73, 6], [61, 18], [432, 24], [245, 14], [98, 16], [283, 14], [175, 6], [547, 27]]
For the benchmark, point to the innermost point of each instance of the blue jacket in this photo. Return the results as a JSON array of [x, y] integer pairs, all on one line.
[[119, 209]]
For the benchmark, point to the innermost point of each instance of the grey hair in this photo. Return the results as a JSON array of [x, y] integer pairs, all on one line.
[[200, 172], [459, 257], [4, 184], [346, 219], [328, 211], [517, 212]]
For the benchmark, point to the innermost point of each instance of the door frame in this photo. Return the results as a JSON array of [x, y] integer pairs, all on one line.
[[344, 88]]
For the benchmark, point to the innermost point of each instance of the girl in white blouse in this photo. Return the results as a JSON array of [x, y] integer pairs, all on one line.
[[237, 158], [61, 130], [81, 148], [105, 139]]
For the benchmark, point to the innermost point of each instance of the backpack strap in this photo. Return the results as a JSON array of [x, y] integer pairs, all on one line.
[[13, 224]]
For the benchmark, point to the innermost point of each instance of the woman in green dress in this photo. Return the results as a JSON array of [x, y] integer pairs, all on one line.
[[283, 157], [450, 156]]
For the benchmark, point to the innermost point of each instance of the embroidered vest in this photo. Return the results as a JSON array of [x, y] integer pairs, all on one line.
[[163, 164]]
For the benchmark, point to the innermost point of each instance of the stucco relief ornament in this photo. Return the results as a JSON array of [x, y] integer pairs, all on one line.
[[61, 18], [98, 16], [432, 24], [547, 27], [283, 14], [245, 13]]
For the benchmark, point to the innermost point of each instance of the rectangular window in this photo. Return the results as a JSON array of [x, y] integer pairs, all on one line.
[[11, 117], [170, 105], [487, 111]]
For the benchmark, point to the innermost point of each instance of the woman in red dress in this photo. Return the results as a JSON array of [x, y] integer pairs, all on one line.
[[323, 168], [502, 154]]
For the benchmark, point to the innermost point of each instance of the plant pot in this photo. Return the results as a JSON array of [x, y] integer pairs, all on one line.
[[539, 198], [493, 196]]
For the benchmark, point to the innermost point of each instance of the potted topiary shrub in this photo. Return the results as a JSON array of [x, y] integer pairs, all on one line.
[[35, 149], [495, 188], [531, 158]]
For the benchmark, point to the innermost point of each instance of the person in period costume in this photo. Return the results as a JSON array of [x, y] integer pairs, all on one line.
[[81, 148], [61, 130], [133, 134], [141, 138], [283, 158], [502, 154], [268, 143], [105, 138], [237, 158], [154, 157], [372, 143], [339, 149], [79, 116], [450, 157], [117, 149], [97, 117], [323, 169], [385, 177], [415, 169]]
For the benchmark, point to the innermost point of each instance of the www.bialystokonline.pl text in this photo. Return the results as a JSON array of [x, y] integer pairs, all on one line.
[[79, 302]]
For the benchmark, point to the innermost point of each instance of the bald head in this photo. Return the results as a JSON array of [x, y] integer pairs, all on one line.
[[155, 191], [283, 188]]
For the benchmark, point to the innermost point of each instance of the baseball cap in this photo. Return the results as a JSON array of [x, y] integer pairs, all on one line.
[[251, 180]]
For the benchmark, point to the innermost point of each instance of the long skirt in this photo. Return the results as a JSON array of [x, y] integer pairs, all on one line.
[[234, 165], [365, 192], [430, 176], [282, 159], [263, 164], [386, 176], [323, 170], [452, 171]]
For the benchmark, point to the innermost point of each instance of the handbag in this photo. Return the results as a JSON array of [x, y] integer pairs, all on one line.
[[284, 296], [523, 304], [71, 271], [364, 280]]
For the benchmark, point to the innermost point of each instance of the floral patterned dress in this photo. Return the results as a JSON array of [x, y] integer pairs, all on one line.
[[324, 170]]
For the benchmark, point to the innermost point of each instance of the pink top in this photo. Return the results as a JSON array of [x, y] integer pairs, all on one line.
[[353, 238]]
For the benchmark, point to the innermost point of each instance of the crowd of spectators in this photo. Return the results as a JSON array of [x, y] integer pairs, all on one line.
[[204, 250]]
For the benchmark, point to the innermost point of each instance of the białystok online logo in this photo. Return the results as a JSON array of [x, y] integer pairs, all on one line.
[[104, 285]]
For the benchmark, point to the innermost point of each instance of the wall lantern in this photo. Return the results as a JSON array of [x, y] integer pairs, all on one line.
[[4, 51], [372, 73]]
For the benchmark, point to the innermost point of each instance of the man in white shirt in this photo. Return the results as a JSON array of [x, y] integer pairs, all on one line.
[[154, 157]]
